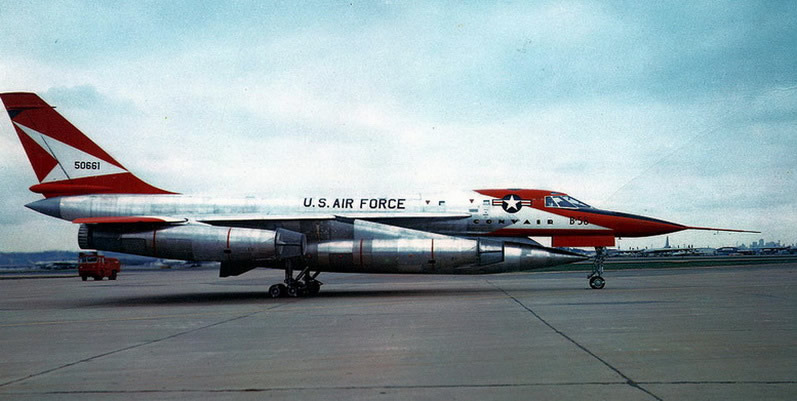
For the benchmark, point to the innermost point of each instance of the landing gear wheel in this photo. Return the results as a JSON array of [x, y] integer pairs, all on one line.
[[276, 291], [302, 285], [597, 282]]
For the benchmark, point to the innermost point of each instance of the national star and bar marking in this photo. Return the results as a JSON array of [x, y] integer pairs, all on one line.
[[511, 203]]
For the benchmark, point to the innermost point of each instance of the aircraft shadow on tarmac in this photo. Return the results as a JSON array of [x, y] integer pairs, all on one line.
[[200, 298], [234, 297]]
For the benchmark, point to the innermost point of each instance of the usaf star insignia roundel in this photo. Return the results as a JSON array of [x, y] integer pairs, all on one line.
[[511, 203]]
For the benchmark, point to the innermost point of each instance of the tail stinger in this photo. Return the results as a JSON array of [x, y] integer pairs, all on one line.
[[65, 160]]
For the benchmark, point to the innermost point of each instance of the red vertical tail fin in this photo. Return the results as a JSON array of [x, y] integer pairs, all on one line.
[[65, 160]]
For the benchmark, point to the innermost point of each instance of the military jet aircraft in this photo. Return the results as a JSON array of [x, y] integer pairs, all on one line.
[[472, 232]]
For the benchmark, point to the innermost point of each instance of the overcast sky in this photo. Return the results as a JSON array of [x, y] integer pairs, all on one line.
[[684, 111]]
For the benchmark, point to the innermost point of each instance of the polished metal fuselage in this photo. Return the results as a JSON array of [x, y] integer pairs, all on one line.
[[437, 234], [461, 213]]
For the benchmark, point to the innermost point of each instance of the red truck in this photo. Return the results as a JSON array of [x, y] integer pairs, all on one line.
[[97, 266]]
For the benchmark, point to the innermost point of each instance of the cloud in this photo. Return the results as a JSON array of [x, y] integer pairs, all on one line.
[[86, 97], [684, 111]]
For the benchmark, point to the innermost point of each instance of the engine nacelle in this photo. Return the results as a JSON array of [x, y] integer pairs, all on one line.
[[445, 255], [195, 242], [413, 255]]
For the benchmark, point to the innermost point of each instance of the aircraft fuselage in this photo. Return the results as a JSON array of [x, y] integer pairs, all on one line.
[[518, 213]]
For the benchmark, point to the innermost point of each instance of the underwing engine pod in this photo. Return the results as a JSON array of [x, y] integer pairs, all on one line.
[[447, 255], [196, 242]]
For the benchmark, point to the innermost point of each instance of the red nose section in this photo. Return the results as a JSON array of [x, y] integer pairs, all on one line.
[[631, 225], [619, 225]]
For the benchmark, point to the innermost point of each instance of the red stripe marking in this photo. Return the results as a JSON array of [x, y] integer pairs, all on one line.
[[521, 193], [548, 232], [122, 183], [118, 219], [576, 241]]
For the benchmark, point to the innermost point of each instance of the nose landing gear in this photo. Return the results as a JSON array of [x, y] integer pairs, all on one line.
[[596, 280]]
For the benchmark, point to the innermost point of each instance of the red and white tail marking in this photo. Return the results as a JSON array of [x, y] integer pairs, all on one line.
[[65, 160], [50, 152]]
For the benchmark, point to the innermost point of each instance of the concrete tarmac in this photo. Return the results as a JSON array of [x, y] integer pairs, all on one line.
[[726, 333]]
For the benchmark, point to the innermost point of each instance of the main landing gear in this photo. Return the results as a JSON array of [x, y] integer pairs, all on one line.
[[303, 285], [596, 280]]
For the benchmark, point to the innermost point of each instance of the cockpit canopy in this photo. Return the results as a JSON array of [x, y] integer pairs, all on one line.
[[565, 202]]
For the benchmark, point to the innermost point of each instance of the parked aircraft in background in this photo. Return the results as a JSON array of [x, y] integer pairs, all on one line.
[[733, 251], [471, 232], [57, 265]]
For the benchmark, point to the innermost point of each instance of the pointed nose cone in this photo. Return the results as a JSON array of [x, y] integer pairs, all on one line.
[[49, 206], [633, 225]]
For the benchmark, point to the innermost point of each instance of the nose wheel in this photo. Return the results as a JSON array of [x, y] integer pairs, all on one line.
[[596, 280]]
